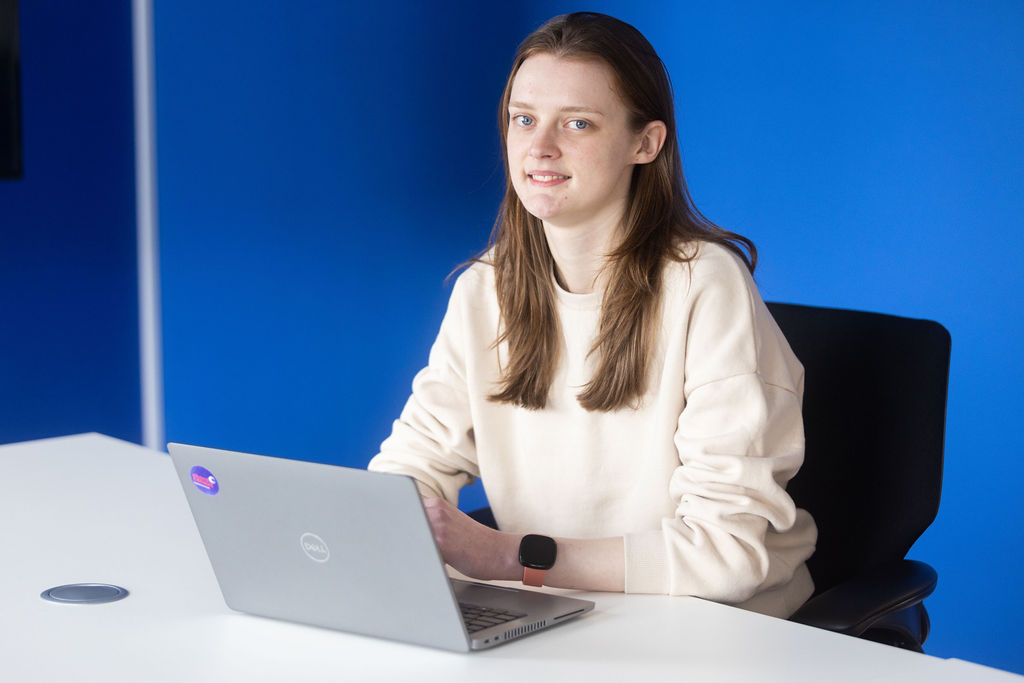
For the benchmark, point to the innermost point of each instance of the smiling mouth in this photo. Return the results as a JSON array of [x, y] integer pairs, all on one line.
[[547, 178]]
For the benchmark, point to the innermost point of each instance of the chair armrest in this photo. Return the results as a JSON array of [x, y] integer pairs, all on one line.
[[853, 606]]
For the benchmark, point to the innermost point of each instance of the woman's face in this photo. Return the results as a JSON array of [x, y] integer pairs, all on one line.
[[571, 150]]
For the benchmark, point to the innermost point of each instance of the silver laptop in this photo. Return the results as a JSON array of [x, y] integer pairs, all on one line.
[[345, 549]]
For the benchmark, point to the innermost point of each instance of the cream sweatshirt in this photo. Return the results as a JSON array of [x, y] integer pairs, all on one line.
[[693, 478]]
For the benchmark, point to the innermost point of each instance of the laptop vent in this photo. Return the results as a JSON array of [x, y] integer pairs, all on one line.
[[523, 630]]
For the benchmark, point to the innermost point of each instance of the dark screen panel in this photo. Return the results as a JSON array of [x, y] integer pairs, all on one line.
[[10, 92]]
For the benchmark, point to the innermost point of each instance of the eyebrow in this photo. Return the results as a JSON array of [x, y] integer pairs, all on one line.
[[564, 110]]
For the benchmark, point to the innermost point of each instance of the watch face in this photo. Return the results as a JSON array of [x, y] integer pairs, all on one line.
[[537, 552]]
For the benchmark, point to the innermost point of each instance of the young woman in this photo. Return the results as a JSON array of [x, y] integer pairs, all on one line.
[[607, 366]]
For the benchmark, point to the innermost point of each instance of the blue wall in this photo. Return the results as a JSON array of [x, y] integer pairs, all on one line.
[[322, 170], [69, 330]]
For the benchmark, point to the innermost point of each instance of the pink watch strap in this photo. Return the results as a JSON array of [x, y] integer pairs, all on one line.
[[534, 577]]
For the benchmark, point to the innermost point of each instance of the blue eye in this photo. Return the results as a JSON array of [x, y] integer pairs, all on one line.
[[578, 125], [523, 120]]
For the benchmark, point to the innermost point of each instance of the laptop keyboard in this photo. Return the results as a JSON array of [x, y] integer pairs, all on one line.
[[478, 618]]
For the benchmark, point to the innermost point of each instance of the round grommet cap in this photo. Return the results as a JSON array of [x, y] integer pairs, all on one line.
[[84, 593]]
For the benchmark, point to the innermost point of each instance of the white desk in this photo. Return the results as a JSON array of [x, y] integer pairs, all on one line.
[[94, 509]]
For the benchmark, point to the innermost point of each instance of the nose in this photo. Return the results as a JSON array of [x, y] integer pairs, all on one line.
[[544, 144]]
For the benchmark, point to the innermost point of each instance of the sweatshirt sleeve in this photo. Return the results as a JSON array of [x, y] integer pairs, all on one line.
[[432, 440], [739, 440]]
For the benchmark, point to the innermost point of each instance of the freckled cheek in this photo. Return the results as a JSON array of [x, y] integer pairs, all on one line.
[[516, 160], [517, 169], [609, 169]]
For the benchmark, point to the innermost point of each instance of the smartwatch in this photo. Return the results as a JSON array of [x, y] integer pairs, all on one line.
[[537, 555]]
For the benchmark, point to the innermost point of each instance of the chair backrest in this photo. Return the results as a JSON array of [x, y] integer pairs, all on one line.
[[874, 419]]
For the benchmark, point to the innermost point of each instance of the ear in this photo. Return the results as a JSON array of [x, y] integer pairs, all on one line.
[[651, 140]]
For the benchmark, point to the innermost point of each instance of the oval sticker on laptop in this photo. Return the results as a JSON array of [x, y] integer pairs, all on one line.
[[314, 547], [204, 480]]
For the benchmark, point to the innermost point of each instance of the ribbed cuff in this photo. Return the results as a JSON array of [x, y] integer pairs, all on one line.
[[646, 563]]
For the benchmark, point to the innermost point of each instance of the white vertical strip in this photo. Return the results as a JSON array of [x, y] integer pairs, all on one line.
[[150, 355]]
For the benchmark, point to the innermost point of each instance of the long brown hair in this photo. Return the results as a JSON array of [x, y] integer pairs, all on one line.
[[661, 222]]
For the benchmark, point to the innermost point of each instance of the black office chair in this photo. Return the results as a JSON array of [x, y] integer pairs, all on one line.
[[874, 420]]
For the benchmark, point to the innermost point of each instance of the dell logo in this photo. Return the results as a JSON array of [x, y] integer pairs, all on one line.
[[314, 547]]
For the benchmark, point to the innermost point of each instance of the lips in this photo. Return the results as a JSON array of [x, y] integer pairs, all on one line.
[[546, 177]]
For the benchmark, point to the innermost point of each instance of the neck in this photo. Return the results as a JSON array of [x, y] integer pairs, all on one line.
[[580, 253]]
